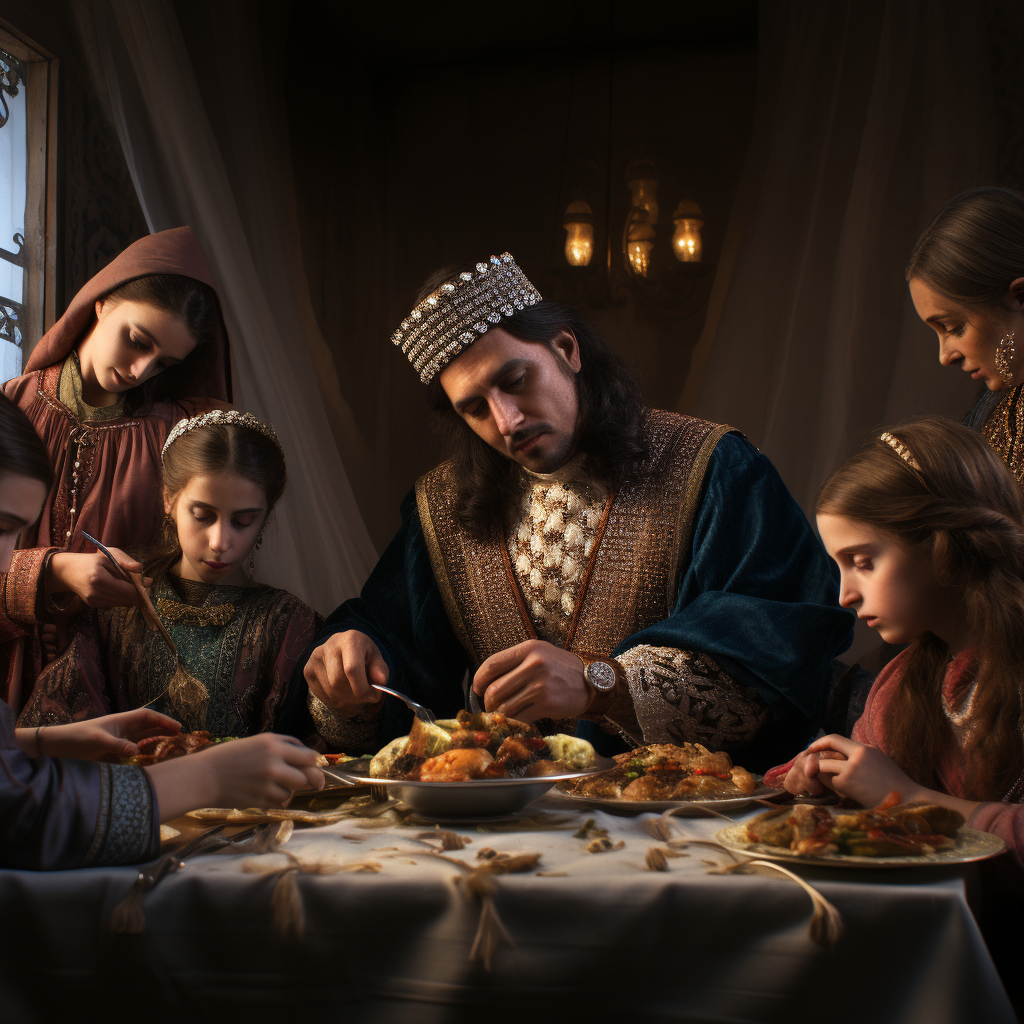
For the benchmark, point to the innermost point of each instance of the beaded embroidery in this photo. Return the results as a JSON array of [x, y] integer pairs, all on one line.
[[453, 317], [221, 417]]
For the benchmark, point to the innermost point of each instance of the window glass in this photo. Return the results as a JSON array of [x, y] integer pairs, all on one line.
[[13, 167]]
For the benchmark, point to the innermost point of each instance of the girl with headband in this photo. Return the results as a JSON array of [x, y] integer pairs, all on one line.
[[237, 640], [62, 807], [141, 345], [926, 524]]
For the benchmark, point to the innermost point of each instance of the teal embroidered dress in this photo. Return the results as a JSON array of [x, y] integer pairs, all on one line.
[[240, 643]]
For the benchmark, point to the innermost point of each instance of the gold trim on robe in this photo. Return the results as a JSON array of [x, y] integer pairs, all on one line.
[[631, 579]]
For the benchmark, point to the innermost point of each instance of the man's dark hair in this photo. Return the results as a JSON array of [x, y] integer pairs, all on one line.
[[609, 429]]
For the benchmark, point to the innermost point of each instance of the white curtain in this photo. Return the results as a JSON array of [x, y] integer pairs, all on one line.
[[233, 186], [870, 115]]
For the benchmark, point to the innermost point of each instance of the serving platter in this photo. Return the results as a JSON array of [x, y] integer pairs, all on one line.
[[725, 803], [970, 845], [476, 798]]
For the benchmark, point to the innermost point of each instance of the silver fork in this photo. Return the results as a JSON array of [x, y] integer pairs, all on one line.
[[422, 713]]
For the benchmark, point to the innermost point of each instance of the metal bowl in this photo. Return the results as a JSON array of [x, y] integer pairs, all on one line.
[[478, 798]]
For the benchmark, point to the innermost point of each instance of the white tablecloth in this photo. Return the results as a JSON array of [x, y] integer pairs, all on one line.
[[600, 939]]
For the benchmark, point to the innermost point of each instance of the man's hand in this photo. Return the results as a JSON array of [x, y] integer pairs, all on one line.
[[93, 578], [533, 680], [340, 671], [109, 736]]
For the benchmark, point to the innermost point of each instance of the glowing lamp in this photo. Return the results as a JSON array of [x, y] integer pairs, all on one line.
[[579, 234], [639, 241], [686, 242]]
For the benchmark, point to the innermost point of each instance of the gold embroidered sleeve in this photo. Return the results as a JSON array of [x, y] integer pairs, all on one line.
[[23, 591], [683, 696], [357, 733]]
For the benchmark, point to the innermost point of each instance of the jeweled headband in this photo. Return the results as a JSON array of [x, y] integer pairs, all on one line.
[[220, 417], [453, 317], [900, 449]]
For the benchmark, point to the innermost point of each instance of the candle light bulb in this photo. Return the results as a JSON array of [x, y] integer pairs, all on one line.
[[686, 240], [579, 234]]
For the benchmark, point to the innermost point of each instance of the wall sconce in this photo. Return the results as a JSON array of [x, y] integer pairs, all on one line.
[[686, 242], [579, 234], [642, 263]]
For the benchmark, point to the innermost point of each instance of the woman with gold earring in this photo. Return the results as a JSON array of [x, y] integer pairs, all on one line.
[[966, 278]]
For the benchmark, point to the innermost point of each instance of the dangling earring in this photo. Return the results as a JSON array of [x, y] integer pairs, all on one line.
[[1005, 351], [255, 548]]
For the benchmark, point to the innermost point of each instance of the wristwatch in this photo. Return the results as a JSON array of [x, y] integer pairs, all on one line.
[[603, 676]]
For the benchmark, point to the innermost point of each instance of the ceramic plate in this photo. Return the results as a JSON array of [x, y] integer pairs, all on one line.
[[725, 803], [970, 845]]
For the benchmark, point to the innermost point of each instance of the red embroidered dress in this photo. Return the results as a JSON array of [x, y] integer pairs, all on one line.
[[107, 470]]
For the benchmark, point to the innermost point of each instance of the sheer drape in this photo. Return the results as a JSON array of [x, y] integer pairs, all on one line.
[[870, 115], [182, 157]]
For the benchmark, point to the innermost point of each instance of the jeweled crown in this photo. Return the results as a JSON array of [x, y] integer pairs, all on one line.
[[451, 318], [220, 417]]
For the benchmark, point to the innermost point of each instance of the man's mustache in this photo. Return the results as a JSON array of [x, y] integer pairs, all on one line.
[[527, 432]]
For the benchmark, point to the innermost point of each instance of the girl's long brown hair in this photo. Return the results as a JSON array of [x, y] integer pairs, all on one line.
[[963, 510]]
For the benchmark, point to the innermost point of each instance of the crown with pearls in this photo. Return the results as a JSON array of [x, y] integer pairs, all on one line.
[[451, 318], [901, 450], [218, 418]]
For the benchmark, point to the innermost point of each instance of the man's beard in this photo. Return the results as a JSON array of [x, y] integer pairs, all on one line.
[[554, 459]]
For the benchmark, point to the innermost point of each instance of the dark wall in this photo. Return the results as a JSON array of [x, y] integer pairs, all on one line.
[[99, 213], [408, 157]]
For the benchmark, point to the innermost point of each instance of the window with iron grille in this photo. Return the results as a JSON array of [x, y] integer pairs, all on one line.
[[28, 93]]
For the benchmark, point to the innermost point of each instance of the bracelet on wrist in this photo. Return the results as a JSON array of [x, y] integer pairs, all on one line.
[[39, 740]]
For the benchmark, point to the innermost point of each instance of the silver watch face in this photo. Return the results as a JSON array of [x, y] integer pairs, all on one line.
[[600, 675]]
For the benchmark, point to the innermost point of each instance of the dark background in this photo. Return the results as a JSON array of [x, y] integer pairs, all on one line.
[[421, 136]]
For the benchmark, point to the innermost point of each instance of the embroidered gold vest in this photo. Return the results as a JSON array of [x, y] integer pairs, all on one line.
[[631, 577]]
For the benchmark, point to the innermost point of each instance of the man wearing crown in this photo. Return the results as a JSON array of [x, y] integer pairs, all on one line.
[[638, 575]]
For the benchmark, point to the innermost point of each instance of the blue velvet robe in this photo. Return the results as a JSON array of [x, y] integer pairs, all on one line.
[[759, 595], [58, 813]]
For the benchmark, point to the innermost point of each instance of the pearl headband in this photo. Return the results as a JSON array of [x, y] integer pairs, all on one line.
[[220, 417]]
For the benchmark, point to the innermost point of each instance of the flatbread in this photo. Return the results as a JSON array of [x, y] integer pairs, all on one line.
[[257, 815], [167, 833], [304, 817], [232, 815]]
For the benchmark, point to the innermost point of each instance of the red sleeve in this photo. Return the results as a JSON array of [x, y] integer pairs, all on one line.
[[1003, 820], [22, 585], [869, 728]]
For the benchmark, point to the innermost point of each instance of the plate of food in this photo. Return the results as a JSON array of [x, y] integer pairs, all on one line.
[[663, 776], [477, 765], [891, 835]]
